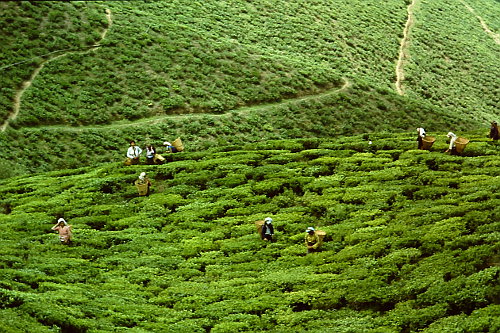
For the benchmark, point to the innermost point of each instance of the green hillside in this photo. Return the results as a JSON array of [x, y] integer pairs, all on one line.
[[302, 111], [412, 241], [112, 68]]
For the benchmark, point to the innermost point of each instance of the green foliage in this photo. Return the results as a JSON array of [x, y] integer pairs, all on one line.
[[227, 80], [411, 242], [263, 95]]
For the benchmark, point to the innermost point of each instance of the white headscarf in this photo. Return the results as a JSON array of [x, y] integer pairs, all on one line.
[[142, 176], [62, 220]]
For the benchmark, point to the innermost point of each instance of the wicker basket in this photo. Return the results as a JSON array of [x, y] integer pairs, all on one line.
[[131, 161], [321, 234], [143, 189], [427, 142], [258, 225], [460, 144], [178, 144], [158, 158]]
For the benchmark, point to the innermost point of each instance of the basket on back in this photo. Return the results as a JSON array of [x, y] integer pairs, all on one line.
[[143, 189], [321, 234], [178, 144], [258, 225], [427, 142], [460, 144]]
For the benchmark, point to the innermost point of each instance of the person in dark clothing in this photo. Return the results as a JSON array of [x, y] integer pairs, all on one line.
[[494, 134], [150, 154], [267, 232], [169, 148]]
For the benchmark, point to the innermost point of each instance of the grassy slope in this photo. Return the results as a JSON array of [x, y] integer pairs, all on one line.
[[412, 243], [159, 59], [461, 70], [333, 114]]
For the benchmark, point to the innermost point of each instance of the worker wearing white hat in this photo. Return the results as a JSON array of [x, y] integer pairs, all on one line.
[[312, 240], [453, 138], [169, 148], [267, 232], [64, 230], [420, 137]]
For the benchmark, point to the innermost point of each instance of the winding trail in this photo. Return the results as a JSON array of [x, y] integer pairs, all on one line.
[[495, 36], [26, 84], [191, 116], [110, 23], [403, 49], [152, 120]]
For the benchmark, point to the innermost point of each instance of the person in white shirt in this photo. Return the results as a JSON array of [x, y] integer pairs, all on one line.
[[452, 147], [421, 136], [134, 153]]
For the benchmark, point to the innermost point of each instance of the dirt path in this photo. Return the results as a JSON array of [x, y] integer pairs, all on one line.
[[110, 23], [403, 49], [154, 120], [192, 116], [495, 36], [26, 84], [248, 109]]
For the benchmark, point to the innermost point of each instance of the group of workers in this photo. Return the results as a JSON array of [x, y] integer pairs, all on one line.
[[313, 238], [134, 153], [452, 148]]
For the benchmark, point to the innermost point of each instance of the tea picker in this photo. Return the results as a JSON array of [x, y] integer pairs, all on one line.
[[64, 230], [133, 154], [174, 147], [457, 144], [494, 133], [420, 137], [143, 184], [267, 230], [313, 239]]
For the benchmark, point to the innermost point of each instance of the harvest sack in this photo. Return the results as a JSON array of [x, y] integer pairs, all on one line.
[[130, 161], [321, 234], [159, 158]]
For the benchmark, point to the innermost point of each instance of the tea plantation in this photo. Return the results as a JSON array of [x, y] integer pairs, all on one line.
[[80, 78], [412, 244], [302, 111]]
